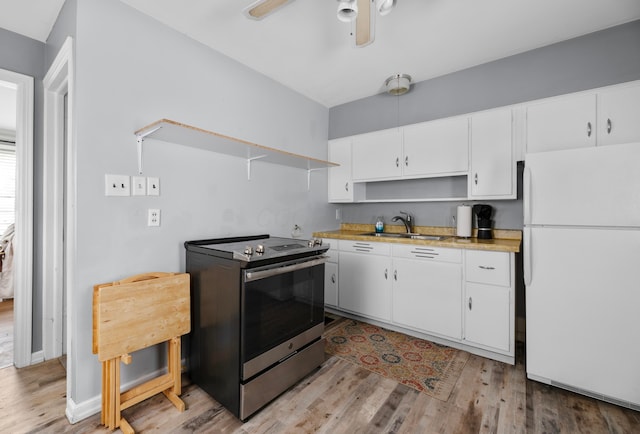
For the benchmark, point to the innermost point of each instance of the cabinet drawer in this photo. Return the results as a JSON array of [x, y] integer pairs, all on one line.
[[488, 267], [364, 247], [427, 253]]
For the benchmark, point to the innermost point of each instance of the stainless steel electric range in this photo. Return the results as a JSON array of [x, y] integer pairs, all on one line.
[[258, 317]]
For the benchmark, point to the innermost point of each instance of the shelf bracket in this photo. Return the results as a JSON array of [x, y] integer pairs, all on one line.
[[309, 178], [249, 160], [140, 140]]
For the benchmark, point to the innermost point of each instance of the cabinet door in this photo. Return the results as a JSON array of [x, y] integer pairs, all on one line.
[[339, 178], [331, 284], [365, 285], [563, 123], [487, 315], [492, 162], [377, 155], [437, 147], [427, 296], [618, 111]]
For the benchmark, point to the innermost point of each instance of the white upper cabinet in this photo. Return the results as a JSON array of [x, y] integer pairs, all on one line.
[[619, 115], [436, 148], [493, 170], [562, 123], [377, 155], [340, 183]]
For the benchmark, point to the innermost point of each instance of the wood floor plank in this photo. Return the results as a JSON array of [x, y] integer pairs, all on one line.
[[340, 397]]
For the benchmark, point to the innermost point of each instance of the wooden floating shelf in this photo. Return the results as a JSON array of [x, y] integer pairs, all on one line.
[[176, 132]]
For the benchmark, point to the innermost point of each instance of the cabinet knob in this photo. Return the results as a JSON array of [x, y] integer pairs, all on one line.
[[346, 186], [333, 278], [395, 275], [475, 178], [398, 162], [609, 126], [406, 161], [588, 129], [470, 303], [386, 274]]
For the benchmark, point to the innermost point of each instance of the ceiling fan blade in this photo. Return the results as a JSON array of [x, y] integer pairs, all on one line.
[[261, 8], [365, 23]]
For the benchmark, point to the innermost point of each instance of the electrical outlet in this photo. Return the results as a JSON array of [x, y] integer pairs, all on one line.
[[117, 185], [139, 187], [153, 217], [153, 186]]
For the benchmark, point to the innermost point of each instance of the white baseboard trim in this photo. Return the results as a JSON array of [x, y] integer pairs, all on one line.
[[76, 412], [37, 357]]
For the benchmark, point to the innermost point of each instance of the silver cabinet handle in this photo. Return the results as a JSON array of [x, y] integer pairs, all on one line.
[[333, 278], [406, 161], [588, 129], [609, 126], [470, 303], [346, 186], [398, 162], [395, 275], [484, 267], [386, 274], [475, 178]]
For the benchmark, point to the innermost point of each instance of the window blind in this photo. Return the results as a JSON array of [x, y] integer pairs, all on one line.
[[7, 186]]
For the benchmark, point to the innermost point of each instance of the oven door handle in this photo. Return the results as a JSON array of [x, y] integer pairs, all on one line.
[[251, 276]]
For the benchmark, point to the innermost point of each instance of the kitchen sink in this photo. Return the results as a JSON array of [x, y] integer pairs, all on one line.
[[406, 235]]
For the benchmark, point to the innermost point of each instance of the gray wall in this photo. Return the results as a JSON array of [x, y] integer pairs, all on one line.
[[26, 56], [131, 71], [599, 59]]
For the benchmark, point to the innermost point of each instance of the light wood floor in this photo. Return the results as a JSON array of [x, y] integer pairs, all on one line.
[[490, 397], [6, 332]]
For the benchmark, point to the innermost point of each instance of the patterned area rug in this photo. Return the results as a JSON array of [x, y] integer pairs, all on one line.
[[422, 365]]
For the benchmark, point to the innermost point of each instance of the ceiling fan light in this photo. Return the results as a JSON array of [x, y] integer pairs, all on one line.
[[385, 6], [347, 11], [398, 84]]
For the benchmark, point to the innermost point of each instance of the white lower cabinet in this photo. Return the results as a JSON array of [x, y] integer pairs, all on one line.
[[487, 315], [462, 298], [489, 305], [427, 296], [365, 279], [331, 284]]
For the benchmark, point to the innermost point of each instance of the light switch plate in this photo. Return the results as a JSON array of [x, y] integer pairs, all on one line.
[[117, 185], [139, 187], [153, 186]]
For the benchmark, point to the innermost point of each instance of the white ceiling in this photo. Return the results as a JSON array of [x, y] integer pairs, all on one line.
[[306, 48]]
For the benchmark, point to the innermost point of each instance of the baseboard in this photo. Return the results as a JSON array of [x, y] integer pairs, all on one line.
[[37, 357], [76, 412]]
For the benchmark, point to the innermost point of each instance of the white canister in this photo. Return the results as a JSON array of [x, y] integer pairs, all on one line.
[[463, 221]]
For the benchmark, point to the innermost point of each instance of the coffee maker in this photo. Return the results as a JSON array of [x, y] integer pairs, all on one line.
[[483, 216]]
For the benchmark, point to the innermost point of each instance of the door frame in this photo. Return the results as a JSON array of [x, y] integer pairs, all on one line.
[[58, 234], [23, 260]]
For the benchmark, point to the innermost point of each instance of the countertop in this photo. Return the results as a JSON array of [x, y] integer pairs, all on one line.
[[505, 240]]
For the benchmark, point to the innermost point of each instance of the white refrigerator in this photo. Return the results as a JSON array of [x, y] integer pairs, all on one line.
[[582, 270]]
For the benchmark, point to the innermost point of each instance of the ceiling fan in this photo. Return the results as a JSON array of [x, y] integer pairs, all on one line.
[[359, 12]]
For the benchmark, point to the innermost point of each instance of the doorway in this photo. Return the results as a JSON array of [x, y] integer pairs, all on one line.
[[58, 230], [7, 217], [22, 260]]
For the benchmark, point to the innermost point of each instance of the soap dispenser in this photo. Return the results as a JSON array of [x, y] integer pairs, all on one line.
[[379, 225]]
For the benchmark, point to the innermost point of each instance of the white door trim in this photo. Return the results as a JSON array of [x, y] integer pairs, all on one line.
[[59, 240], [23, 261]]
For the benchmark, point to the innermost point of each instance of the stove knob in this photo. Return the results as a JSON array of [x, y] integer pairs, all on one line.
[[311, 243], [248, 251], [318, 241], [259, 249]]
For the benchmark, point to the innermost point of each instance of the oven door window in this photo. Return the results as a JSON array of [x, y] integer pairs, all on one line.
[[280, 305]]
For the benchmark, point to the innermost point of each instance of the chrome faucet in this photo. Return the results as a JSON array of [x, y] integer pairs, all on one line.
[[407, 220]]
